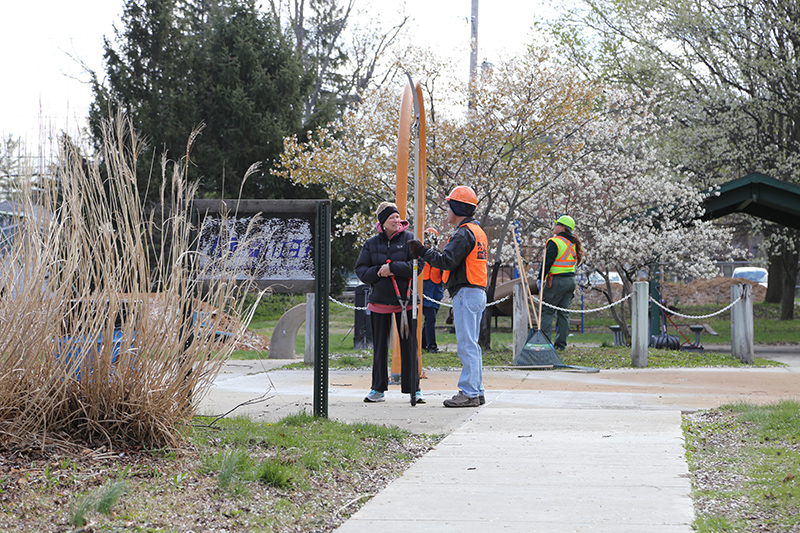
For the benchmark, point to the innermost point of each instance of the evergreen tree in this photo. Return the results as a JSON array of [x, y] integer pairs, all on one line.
[[179, 64]]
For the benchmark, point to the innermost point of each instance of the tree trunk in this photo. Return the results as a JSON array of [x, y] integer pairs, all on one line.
[[775, 276], [485, 336], [618, 314], [789, 269]]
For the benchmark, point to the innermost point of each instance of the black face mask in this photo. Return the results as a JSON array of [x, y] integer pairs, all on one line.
[[460, 209]]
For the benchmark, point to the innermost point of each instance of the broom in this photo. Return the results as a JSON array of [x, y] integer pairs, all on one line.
[[537, 352]]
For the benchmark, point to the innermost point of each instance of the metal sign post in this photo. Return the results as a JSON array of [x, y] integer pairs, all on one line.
[[322, 247]]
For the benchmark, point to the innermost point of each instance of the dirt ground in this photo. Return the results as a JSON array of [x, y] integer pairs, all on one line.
[[715, 291]]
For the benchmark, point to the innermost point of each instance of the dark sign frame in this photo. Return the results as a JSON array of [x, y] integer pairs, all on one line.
[[294, 256]]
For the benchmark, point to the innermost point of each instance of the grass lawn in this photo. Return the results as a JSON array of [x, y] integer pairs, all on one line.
[[743, 459], [309, 474], [593, 341]]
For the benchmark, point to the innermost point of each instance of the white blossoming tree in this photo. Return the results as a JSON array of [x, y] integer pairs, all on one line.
[[539, 142], [632, 212], [728, 73]]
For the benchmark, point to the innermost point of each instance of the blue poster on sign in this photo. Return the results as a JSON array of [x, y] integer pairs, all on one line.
[[267, 242], [256, 248]]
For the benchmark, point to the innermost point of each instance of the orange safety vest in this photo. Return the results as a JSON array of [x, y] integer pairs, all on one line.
[[431, 273], [566, 259], [477, 259]]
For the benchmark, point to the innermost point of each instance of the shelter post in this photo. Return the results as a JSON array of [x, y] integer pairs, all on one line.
[[742, 323]]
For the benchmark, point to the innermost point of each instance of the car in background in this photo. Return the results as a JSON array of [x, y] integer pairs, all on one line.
[[595, 279], [352, 282], [759, 275]]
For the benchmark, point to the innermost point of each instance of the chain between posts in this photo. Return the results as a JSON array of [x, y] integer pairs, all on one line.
[[348, 306], [672, 312]]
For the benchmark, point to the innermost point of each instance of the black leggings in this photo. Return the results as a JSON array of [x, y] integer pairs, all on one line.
[[381, 338]]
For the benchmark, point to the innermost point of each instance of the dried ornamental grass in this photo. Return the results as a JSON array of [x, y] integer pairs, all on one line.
[[79, 274]]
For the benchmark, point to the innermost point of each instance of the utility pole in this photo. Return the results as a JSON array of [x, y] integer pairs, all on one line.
[[473, 54]]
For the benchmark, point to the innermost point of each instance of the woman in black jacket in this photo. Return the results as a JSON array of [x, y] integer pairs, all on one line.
[[387, 266]]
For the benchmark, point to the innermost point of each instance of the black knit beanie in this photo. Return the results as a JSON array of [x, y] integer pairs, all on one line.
[[386, 213]]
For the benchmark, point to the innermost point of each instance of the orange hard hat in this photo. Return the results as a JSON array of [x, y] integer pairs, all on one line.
[[463, 194], [432, 230]]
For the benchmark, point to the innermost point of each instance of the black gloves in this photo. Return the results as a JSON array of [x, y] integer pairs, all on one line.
[[416, 248]]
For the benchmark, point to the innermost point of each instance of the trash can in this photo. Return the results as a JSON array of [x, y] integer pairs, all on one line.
[[362, 329]]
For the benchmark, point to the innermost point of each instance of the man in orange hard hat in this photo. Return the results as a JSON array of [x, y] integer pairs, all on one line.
[[463, 264]]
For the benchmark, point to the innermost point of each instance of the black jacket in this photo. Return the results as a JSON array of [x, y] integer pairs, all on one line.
[[373, 256], [454, 257]]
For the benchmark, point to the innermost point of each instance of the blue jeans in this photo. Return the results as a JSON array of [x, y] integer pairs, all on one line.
[[468, 306]]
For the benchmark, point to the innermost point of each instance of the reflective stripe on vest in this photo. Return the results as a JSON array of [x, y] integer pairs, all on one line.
[[565, 257], [477, 259], [431, 273]]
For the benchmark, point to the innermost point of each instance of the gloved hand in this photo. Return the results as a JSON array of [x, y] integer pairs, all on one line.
[[431, 237], [416, 248], [539, 284]]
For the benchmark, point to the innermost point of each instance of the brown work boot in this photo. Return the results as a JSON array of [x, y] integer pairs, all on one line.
[[459, 400]]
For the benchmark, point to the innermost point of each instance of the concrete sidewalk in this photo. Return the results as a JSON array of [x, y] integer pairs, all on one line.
[[550, 451], [550, 470]]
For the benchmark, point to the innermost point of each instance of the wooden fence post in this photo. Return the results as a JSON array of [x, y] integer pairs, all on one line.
[[519, 319], [308, 352]]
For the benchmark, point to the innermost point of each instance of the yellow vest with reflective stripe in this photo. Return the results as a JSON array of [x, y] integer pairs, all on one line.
[[566, 259]]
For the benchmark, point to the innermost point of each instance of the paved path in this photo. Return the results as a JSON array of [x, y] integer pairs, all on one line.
[[551, 451]]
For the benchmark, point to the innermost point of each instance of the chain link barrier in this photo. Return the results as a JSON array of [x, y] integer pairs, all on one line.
[[672, 312], [501, 300], [451, 305], [584, 311], [354, 308], [348, 306], [581, 311]]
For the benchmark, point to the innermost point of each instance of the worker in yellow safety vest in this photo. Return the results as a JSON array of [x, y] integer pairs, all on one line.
[[563, 253]]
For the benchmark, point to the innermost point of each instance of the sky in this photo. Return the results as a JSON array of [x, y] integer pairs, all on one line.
[[47, 45]]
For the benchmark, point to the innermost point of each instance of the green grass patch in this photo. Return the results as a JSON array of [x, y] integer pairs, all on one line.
[[767, 329], [291, 450], [602, 357], [747, 456], [298, 474], [276, 474], [100, 500]]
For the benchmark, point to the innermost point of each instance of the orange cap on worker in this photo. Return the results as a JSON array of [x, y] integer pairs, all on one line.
[[464, 194]]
